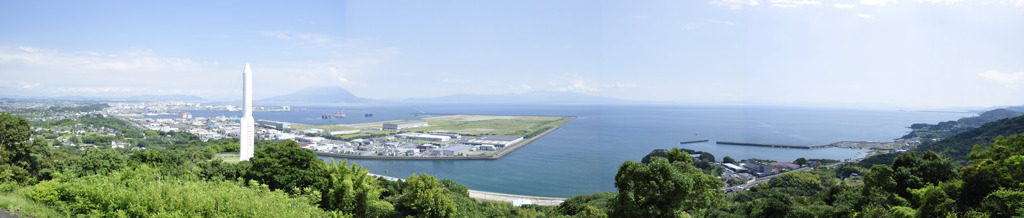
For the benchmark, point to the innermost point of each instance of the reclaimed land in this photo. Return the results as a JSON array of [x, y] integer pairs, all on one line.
[[498, 155], [531, 128]]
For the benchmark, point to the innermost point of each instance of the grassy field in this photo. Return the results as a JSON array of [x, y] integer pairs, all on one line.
[[14, 202], [299, 126], [492, 125], [227, 157]]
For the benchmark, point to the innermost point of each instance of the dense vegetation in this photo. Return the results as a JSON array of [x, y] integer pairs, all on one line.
[[958, 146], [178, 177], [946, 129]]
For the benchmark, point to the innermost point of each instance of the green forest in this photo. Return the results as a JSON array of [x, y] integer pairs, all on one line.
[[978, 173]]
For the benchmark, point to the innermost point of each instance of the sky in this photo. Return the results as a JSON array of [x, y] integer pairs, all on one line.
[[854, 54]]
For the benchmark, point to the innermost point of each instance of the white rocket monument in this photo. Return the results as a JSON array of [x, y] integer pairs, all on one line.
[[247, 133]]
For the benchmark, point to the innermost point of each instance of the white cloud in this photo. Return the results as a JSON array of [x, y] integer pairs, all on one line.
[[277, 34], [876, 2], [722, 22], [310, 38], [691, 26], [734, 4], [522, 88], [1013, 80], [792, 3], [574, 82], [837, 5], [866, 16], [45, 72]]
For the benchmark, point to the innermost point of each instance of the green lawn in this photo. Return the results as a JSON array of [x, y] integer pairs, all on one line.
[[15, 203], [227, 157]]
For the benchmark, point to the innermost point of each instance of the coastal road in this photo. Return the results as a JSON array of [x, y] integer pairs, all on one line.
[[494, 196]]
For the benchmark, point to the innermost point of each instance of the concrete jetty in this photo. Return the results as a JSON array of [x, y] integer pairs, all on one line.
[[693, 141], [771, 145]]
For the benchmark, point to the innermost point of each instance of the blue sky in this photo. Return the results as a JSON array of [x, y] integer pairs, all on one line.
[[867, 53]]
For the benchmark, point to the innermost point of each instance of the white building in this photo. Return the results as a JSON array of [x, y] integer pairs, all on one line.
[[424, 137], [405, 125]]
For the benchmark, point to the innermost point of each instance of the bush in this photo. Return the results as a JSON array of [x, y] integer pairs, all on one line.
[[138, 193]]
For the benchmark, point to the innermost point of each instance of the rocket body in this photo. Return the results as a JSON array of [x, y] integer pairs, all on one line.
[[247, 132]]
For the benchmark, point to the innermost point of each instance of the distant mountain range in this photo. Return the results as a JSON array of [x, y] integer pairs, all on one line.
[[338, 95], [318, 94], [534, 97], [189, 98]]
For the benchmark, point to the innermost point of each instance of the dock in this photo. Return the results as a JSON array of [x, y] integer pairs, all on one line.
[[771, 145], [694, 141]]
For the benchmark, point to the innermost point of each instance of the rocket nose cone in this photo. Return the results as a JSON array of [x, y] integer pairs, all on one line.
[[247, 70]]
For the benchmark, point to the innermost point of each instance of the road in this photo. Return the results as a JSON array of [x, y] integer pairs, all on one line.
[[759, 180]]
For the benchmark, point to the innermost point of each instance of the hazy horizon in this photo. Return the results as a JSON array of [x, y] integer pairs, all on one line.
[[801, 53]]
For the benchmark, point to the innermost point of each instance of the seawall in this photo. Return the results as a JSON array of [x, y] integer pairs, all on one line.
[[694, 141], [771, 145]]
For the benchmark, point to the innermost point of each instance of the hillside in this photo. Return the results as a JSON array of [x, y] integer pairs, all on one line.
[[946, 129], [958, 146]]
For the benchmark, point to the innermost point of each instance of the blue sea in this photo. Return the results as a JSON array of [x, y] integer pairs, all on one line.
[[583, 156]]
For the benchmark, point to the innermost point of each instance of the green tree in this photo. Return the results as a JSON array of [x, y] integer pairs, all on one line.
[[602, 201], [14, 133], [1000, 165], [424, 197], [776, 204], [351, 190], [285, 166], [800, 161], [664, 187], [933, 202], [97, 162], [728, 159]]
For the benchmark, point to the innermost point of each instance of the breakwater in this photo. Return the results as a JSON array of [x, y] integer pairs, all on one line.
[[693, 141], [772, 145]]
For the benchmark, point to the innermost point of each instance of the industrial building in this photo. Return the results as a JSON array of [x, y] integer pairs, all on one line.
[[405, 125], [279, 125], [424, 137], [451, 151], [496, 140]]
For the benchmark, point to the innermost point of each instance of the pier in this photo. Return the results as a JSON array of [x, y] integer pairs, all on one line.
[[771, 145], [694, 141]]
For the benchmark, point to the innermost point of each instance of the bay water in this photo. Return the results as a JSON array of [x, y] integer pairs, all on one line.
[[583, 156]]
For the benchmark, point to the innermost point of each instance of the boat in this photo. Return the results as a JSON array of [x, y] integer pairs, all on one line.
[[340, 114]]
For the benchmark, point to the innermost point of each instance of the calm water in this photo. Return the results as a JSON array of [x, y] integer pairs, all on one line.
[[582, 157]]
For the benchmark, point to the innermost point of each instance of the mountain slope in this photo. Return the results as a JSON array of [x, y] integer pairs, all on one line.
[[318, 94], [958, 146]]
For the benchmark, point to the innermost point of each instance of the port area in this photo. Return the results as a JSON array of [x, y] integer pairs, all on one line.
[[452, 137]]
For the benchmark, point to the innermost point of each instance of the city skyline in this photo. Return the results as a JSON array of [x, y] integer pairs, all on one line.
[[871, 53]]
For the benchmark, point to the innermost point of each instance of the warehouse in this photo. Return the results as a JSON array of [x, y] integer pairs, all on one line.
[[496, 140], [424, 137], [454, 150]]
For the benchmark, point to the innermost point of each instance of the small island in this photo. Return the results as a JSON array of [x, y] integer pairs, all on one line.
[[452, 137]]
